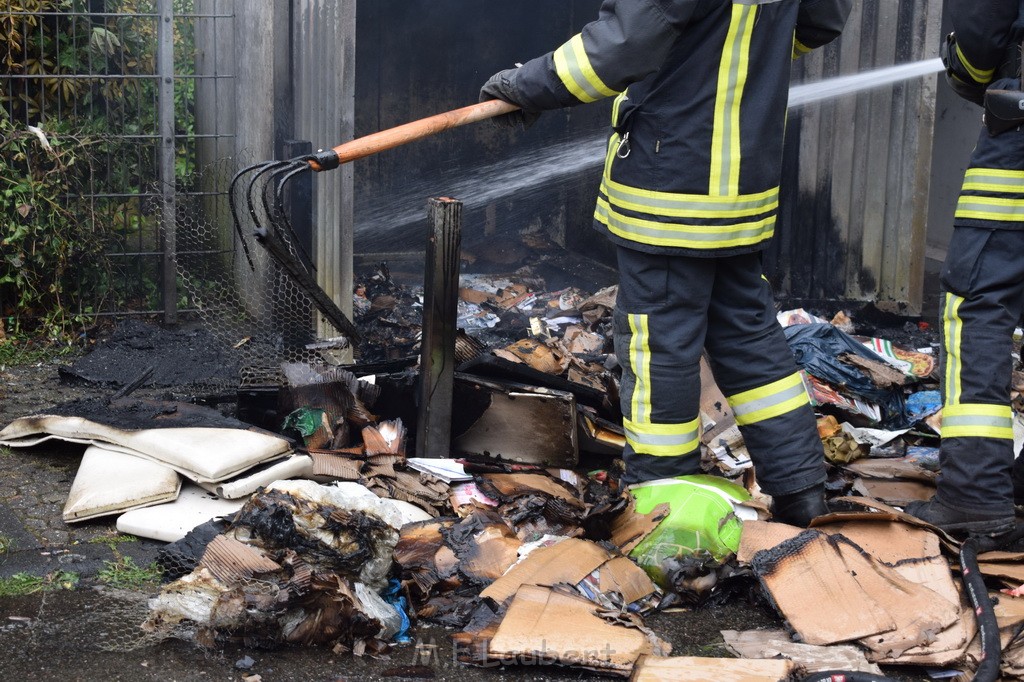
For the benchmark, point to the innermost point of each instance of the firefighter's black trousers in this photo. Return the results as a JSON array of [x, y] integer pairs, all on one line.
[[669, 309], [983, 299]]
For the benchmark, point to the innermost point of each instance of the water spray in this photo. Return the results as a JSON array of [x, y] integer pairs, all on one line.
[[536, 169]]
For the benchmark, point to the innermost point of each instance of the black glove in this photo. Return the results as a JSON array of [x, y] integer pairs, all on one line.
[[957, 75], [499, 86]]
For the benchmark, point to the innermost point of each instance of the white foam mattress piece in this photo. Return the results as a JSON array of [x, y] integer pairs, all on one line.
[[296, 466], [202, 454], [171, 522], [111, 482]]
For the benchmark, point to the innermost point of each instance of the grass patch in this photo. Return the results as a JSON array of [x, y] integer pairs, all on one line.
[[112, 540], [6, 544], [14, 352], [21, 584], [126, 574]]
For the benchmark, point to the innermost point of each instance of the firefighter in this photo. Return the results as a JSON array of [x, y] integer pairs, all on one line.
[[982, 280], [689, 196]]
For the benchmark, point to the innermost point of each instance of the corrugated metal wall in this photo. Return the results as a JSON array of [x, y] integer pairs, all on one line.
[[857, 169]]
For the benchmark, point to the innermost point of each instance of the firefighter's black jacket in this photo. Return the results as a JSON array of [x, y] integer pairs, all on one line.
[[693, 165], [988, 35]]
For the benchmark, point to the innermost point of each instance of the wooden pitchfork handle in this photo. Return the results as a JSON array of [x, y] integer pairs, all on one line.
[[326, 159]]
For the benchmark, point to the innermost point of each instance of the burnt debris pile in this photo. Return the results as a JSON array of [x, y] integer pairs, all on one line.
[[326, 524]]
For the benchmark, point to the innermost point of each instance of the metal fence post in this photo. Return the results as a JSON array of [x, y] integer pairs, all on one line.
[[165, 118]]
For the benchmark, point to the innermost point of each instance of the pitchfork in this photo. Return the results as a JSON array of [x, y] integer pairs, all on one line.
[[264, 185]]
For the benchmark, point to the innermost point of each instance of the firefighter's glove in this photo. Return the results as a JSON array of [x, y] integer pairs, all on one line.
[[957, 74], [501, 86]]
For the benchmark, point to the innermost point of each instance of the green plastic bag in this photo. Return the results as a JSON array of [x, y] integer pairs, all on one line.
[[305, 420], [701, 520]]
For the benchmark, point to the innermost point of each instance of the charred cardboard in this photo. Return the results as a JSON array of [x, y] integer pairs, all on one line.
[[198, 453], [568, 561], [509, 486], [630, 528], [894, 492], [716, 414], [687, 668], [755, 644], [948, 648], [520, 423], [884, 611], [912, 551], [621, 575], [915, 553], [555, 626], [875, 467], [493, 367], [110, 482], [599, 436], [231, 561], [758, 535], [876, 510], [444, 554]]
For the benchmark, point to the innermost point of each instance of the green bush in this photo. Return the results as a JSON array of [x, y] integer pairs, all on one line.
[[55, 272]]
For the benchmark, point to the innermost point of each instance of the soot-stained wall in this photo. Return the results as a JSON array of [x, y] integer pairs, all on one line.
[[417, 58], [857, 168]]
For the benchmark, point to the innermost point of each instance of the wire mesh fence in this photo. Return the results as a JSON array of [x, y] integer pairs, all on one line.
[[109, 110]]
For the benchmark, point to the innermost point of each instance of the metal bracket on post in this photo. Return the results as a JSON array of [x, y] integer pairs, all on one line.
[[165, 125], [440, 318]]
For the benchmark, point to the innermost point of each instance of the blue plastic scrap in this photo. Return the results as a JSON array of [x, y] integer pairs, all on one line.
[[393, 595]]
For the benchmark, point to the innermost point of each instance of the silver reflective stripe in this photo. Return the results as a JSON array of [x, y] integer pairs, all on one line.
[[641, 398], [978, 204], [730, 155], [575, 72], [677, 440], [1012, 184], [977, 420], [951, 334], [768, 401]]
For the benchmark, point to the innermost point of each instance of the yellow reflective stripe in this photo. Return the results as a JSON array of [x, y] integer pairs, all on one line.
[[615, 108], [663, 440], [995, 173], [732, 76], [977, 421], [679, 205], [952, 329], [980, 75], [683, 235], [765, 402], [577, 74], [799, 49], [990, 208], [640, 361], [993, 180]]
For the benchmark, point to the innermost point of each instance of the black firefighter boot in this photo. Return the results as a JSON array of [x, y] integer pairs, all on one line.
[[1018, 480], [959, 520], [801, 507]]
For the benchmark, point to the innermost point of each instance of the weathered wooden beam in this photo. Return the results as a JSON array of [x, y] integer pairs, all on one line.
[[440, 318]]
